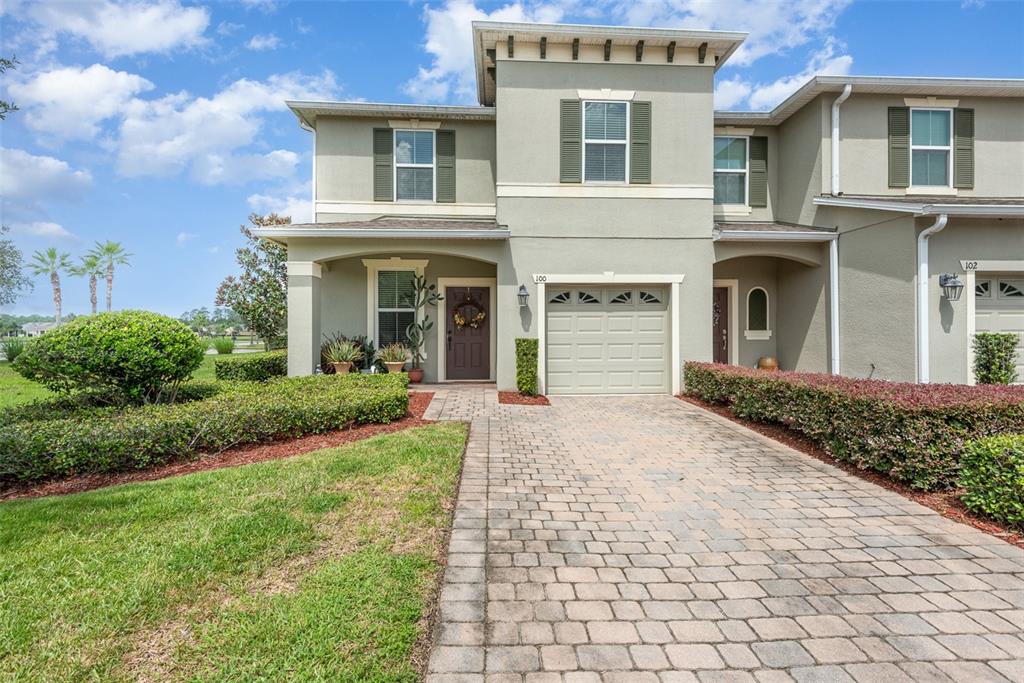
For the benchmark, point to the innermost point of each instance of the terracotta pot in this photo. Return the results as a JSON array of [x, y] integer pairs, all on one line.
[[767, 363], [416, 375], [394, 367], [342, 368]]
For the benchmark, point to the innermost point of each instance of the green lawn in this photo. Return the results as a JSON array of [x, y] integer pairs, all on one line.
[[312, 568], [15, 389]]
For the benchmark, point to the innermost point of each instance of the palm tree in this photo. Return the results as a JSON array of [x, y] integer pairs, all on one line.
[[110, 254], [51, 262], [92, 269]]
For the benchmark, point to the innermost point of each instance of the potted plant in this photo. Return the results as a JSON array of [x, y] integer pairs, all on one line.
[[393, 356], [342, 354], [423, 295]]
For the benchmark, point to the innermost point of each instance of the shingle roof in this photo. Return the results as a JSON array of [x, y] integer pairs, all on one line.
[[775, 226]]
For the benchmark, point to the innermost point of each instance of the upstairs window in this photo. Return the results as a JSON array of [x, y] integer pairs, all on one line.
[[605, 141], [730, 170], [930, 149], [414, 165]]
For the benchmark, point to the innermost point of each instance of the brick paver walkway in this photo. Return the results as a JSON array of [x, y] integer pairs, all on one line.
[[643, 540]]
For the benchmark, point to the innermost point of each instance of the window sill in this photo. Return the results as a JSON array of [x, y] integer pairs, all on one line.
[[757, 335], [944, 190], [731, 210]]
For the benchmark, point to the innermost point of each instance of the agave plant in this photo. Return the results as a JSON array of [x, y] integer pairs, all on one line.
[[344, 352], [393, 353]]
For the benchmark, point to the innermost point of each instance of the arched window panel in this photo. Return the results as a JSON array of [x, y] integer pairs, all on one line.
[[757, 314], [560, 298]]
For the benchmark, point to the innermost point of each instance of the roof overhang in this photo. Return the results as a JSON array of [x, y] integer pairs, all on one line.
[[283, 233], [307, 112], [875, 85], [486, 34], [774, 236], [925, 209]]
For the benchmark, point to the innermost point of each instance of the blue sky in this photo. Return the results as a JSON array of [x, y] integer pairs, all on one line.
[[161, 124]]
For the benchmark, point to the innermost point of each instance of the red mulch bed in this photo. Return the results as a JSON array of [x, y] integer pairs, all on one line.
[[244, 455], [515, 398], [946, 503]]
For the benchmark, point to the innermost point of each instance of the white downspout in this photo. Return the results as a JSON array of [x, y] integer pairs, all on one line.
[[312, 218], [922, 296], [833, 296], [835, 137]]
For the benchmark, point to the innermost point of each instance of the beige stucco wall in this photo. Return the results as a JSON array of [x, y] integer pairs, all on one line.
[[803, 316], [756, 214], [752, 271], [998, 150], [801, 164]]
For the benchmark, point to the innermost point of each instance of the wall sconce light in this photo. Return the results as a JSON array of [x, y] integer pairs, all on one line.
[[523, 296], [952, 286]]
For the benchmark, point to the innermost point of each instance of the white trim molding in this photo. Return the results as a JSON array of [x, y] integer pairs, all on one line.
[[405, 209], [372, 267], [442, 328], [759, 335], [604, 190], [304, 268], [923, 209], [607, 94], [733, 285], [382, 233], [775, 236]]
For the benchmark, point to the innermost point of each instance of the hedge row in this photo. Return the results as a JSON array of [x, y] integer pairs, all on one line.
[[108, 441], [914, 433], [526, 366], [252, 367], [992, 475]]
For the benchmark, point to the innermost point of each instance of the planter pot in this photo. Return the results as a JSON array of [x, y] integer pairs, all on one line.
[[416, 375], [767, 363], [394, 367], [342, 368]]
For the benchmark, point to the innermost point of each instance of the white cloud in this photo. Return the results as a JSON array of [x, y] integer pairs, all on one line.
[[117, 29], [825, 61], [214, 169], [729, 93], [450, 44], [27, 178], [48, 230], [184, 237], [70, 102], [267, 41], [213, 250], [294, 205], [226, 28]]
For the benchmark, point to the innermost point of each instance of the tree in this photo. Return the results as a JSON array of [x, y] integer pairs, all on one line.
[[198, 320], [12, 280], [110, 254], [51, 262], [5, 64], [92, 269], [260, 293]]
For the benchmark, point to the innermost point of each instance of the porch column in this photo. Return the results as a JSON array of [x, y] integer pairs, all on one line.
[[303, 317]]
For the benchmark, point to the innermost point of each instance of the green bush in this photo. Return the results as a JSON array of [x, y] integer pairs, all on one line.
[[124, 357], [223, 345], [526, 366], [256, 367], [12, 347], [992, 474], [913, 433], [109, 440], [995, 357]]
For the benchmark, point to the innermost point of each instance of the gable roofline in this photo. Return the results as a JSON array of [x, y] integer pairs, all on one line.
[[490, 31], [308, 111], [875, 85]]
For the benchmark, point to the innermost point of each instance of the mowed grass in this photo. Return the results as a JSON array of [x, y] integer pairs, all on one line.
[[317, 567], [15, 389]]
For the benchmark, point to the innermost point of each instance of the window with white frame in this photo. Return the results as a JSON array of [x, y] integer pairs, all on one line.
[[605, 141], [414, 165], [931, 155], [757, 314], [730, 170], [395, 305]]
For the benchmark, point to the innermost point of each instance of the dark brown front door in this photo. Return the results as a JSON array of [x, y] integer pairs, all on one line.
[[468, 332], [720, 325]]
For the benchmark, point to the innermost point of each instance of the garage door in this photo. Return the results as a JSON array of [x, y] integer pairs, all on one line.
[[607, 340], [999, 307]]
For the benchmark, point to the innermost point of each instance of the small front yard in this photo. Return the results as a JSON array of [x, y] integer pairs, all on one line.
[[317, 567]]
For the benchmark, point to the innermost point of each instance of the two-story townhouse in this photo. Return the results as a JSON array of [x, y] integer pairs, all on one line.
[[594, 200]]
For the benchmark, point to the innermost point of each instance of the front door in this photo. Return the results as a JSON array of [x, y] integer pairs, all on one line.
[[720, 325], [467, 333]]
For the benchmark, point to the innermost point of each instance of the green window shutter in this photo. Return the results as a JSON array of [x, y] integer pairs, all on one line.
[[571, 141], [446, 166], [758, 172], [963, 148], [383, 165], [899, 147], [640, 142]]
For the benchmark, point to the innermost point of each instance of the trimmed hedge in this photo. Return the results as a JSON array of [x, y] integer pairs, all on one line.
[[913, 433], [995, 357], [255, 367], [992, 472], [107, 440], [526, 366]]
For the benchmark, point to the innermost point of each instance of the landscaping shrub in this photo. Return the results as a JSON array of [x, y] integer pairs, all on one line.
[[914, 433], [252, 367], [526, 366], [992, 472], [108, 440], [223, 345], [11, 347], [995, 357], [124, 357]]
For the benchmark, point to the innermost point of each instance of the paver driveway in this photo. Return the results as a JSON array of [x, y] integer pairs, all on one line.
[[642, 539]]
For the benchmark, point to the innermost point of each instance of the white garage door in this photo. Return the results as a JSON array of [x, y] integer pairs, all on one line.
[[607, 340], [999, 307]]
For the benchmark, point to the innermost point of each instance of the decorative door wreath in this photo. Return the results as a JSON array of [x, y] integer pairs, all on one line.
[[469, 313]]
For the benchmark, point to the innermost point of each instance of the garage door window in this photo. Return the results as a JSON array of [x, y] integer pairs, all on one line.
[[650, 297], [588, 297], [622, 297], [560, 298], [1011, 289], [983, 289]]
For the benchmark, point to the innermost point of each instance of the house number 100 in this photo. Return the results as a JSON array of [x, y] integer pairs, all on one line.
[[540, 278]]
